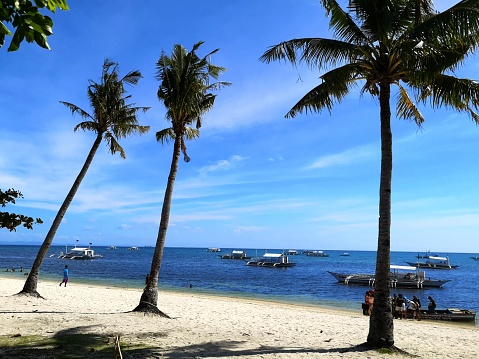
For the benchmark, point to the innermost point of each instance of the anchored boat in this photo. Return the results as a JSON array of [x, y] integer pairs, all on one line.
[[434, 262], [80, 253], [235, 255], [272, 260], [399, 277]]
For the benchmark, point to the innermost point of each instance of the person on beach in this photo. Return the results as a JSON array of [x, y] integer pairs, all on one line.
[[401, 306], [417, 307], [370, 301], [431, 308], [147, 279], [65, 276]]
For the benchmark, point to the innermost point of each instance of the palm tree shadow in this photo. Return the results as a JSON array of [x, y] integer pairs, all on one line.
[[221, 349]]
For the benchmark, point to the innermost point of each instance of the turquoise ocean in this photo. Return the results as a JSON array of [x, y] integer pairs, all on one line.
[[306, 283]]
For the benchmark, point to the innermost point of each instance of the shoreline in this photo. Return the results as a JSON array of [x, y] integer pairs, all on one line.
[[210, 326]]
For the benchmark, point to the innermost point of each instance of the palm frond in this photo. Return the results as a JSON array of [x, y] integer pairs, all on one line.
[[343, 24], [406, 109], [335, 86], [191, 133], [87, 126], [166, 135], [76, 110], [315, 52], [113, 144]]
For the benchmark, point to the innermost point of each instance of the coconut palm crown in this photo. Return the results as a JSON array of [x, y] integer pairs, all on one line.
[[377, 44]]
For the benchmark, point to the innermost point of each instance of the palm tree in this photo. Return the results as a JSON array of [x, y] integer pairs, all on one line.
[[380, 43], [112, 118], [184, 90]]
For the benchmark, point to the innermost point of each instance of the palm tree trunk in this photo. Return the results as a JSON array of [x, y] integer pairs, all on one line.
[[149, 298], [381, 329], [30, 286]]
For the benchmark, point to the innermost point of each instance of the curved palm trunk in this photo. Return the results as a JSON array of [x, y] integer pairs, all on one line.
[[149, 298], [30, 287], [381, 329]]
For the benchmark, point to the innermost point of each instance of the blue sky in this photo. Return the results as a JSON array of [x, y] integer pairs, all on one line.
[[256, 179]]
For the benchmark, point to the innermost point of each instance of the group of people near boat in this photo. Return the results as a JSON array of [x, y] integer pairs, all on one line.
[[400, 305]]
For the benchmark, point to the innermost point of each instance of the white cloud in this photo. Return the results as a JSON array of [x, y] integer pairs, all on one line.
[[352, 155], [222, 164]]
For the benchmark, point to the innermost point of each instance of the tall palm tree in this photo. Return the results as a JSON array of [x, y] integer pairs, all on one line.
[[112, 118], [185, 92], [380, 43]]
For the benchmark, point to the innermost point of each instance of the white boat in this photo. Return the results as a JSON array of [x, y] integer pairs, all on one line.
[[235, 255], [213, 250], [80, 253], [345, 254], [272, 260], [111, 247], [317, 254], [132, 249], [434, 262], [291, 252]]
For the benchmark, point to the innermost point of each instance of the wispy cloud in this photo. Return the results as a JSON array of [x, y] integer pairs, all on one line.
[[221, 165], [353, 155]]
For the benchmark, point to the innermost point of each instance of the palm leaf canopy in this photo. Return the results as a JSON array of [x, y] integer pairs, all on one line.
[[185, 85], [185, 90], [113, 117], [401, 42]]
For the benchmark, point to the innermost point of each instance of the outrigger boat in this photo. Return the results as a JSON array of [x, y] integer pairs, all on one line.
[[316, 254], [213, 250], [235, 255], [434, 262], [399, 277], [80, 253], [272, 260], [451, 314]]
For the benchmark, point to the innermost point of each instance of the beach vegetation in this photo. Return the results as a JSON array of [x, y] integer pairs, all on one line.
[[401, 50], [32, 26], [186, 92], [11, 221], [28, 21], [112, 118]]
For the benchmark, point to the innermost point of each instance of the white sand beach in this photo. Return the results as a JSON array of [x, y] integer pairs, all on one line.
[[211, 327]]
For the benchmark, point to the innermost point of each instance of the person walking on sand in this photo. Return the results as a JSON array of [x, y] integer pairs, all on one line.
[[65, 276]]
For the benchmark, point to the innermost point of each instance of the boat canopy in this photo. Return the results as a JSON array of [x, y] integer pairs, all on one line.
[[272, 255], [392, 266], [78, 249], [438, 258], [238, 252]]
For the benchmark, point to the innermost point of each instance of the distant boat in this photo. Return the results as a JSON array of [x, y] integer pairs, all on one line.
[[235, 255], [213, 250], [345, 254], [291, 252], [272, 260], [434, 262], [399, 277], [111, 247], [427, 255], [80, 253], [475, 258], [132, 249], [316, 253]]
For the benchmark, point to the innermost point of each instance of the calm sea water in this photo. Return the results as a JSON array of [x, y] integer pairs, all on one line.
[[307, 283]]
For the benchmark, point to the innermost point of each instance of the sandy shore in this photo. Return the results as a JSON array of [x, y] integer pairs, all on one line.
[[216, 327]]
